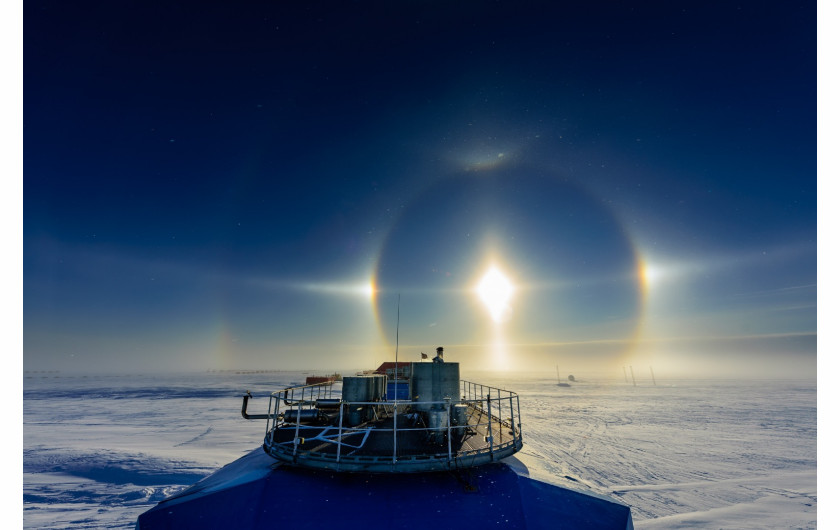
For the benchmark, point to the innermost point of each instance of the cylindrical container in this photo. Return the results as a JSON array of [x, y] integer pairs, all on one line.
[[435, 382], [356, 389], [362, 389], [306, 415], [378, 387], [327, 403], [353, 415], [459, 417], [437, 425]]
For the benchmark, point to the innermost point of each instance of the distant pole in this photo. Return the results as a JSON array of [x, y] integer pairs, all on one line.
[[625, 374], [633, 376], [652, 376]]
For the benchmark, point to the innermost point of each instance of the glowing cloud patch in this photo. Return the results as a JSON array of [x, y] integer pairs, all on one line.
[[495, 291]]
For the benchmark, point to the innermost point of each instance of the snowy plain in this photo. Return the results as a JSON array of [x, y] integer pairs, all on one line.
[[100, 450]]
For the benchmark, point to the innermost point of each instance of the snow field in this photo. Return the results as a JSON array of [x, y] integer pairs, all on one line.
[[98, 451]]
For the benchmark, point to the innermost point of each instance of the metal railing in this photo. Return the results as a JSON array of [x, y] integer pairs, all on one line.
[[323, 431]]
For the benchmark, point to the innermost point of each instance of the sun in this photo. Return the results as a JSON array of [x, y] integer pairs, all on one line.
[[495, 290]]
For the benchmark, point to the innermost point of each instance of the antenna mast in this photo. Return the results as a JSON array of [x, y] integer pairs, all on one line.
[[396, 364], [397, 352]]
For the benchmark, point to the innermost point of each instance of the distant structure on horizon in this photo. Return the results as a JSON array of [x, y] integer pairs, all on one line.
[[387, 369], [561, 383]]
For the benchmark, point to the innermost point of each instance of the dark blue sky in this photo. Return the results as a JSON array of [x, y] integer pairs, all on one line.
[[216, 186]]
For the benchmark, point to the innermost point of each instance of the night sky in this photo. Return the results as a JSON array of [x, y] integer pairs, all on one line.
[[255, 185]]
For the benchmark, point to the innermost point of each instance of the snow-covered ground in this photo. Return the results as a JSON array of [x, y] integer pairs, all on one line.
[[100, 450]]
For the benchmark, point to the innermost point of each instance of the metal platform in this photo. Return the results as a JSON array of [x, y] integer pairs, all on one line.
[[307, 427]]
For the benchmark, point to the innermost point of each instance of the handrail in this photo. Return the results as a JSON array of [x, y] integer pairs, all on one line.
[[247, 416], [302, 389]]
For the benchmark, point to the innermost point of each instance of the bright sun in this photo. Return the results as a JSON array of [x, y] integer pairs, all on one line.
[[495, 291]]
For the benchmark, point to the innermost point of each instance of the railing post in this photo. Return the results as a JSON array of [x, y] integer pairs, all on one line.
[[499, 403], [490, 424], [394, 461], [276, 413], [512, 420], [449, 429], [297, 431], [340, 426], [268, 424]]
